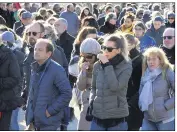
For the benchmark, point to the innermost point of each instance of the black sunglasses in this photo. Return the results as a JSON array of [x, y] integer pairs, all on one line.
[[168, 37], [30, 33], [171, 18], [109, 49], [90, 56]]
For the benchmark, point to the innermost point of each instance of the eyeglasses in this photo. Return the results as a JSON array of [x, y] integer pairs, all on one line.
[[109, 49], [171, 18], [89, 56], [30, 33], [168, 37]]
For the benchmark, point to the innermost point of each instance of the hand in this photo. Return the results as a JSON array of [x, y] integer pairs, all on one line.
[[102, 58], [47, 114], [85, 66]]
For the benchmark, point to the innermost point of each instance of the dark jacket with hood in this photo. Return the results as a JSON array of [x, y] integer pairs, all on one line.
[[170, 53], [170, 25], [156, 34], [101, 21], [108, 28]]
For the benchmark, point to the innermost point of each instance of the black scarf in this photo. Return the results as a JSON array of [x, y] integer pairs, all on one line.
[[116, 60], [133, 53]]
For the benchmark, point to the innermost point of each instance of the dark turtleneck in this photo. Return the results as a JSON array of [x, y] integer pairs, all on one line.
[[108, 28], [114, 61], [133, 53]]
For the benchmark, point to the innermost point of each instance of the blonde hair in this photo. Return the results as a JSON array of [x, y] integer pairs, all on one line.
[[154, 51]]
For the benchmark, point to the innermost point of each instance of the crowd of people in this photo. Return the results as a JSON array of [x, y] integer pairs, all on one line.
[[115, 63]]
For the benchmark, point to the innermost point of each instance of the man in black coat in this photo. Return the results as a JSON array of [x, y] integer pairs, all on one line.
[[9, 79], [169, 44], [65, 40]]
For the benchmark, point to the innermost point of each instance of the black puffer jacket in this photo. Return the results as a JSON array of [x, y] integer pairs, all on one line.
[[108, 28], [9, 79]]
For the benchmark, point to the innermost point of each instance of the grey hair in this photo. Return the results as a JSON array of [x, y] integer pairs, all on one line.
[[64, 21]]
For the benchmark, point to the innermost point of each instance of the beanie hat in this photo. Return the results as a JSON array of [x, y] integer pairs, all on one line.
[[91, 46], [171, 15], [158, 18], [110, 16], [8, 36]]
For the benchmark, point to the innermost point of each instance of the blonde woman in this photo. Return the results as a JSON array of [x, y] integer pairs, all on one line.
[[155, 100]]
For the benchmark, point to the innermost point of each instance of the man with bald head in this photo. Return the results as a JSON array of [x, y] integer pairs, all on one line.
[[65, 40], [169, 44], [50, 90]]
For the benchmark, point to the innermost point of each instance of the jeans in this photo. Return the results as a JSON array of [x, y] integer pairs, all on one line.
[[14, 126], [119, 127], [158, 126]]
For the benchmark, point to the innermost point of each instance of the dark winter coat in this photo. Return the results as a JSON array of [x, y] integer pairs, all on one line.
[[101, 21], [17, 25], [170, 25], [170, 53], [108, 28]]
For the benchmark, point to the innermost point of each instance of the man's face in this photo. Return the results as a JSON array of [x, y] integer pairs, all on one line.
[[33, 33], [27, 21], [71, 8], [109, 10], [40, 53], [59, 27], [10, 7], [157, 24], [169, 38], [57, 8]]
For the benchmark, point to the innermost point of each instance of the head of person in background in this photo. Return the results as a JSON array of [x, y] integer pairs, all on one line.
[[169, 38], [132, 43], [162, 6], [33, 32], [134, 5], [60, 26], [146, 16], [27, 6], [111, 18], [108, 9], [50, 12], [156, 7], [155, 58], [139, 29], [3, 6], [19, 14], [155, 14], [78, 10], [150, 7], [42, 14], [8, 39], [89, 50], [165, 14], [56, 8], [128, 5], [158, 22], [62, 9], [117, 10], [34, 15], [115, 46], [70, 8], [128, 20], [45, 5], [49, 32], [90, 21], [9, 7], [26, 18], [16, 7], [84, 13], [85, 32], [130, 10], [171, 17], [2, 21], [139, 14], [51, 20]]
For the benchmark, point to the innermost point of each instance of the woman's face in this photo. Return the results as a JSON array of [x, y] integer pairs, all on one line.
[[89, 58], [86, 12], [138, 31], [157, 24], [128, 22], [131, 46], [171, 19], [109, 49], [153, 62], [113, 21]]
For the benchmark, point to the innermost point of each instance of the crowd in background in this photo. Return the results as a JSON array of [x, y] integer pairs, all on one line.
[[114, 62]]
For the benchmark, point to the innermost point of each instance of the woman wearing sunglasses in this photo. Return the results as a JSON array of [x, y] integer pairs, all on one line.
[[171, 20], [156, 94], [109, 86], [89, 50]]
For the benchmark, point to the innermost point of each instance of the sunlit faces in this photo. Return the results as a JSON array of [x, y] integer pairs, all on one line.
[[138, 31], [171, 19], [153, 62], [128, 22], [86, 12], [109, 49], [169, 38], [59, 27], [157, 24]]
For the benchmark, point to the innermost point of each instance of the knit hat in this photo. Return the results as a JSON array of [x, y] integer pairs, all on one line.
[[8, 36], [26, 15], [91, 46], [171, 15], [158, 18], [110, 16], [140, 24]]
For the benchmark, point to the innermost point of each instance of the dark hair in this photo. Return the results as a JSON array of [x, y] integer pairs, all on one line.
[[131, 39], [91, 22], [140, 24], [8, 4], [21, 11], [50, 47], [55, 15], [128, 4], [117, 7], [2, 20], [68, 6], [50, 11], [43, 4], [82, 15], [107, 8]]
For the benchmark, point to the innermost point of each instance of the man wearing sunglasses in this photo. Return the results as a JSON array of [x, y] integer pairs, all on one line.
[[169, 44]]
